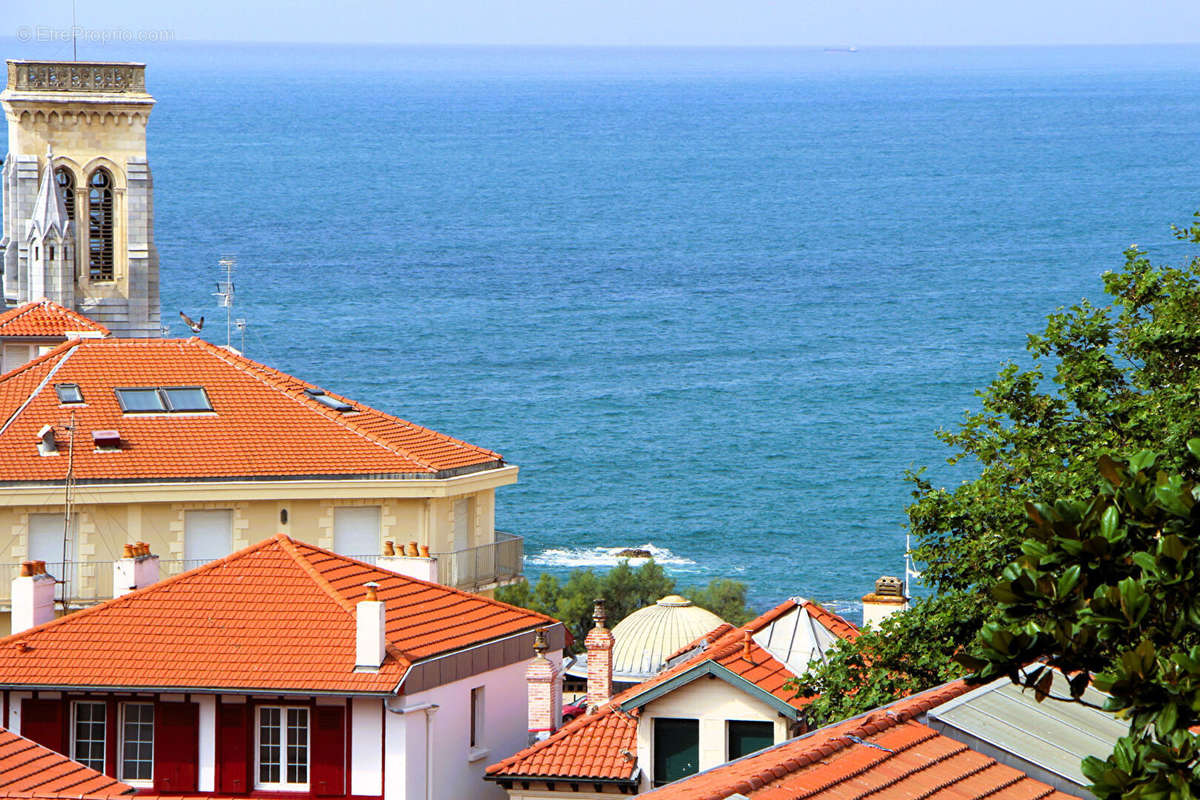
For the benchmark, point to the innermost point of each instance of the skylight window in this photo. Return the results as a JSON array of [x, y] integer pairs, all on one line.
[[163, 399], [186, 398], [68, 393], [329, 402], [140, 400]]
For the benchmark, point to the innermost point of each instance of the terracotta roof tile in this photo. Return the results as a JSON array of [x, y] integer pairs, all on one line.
[[26, 767], [263, 424], [590, 746], [233, 624], [883, 753], [45, 319]]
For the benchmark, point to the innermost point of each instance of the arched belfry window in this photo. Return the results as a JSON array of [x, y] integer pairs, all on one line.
[[100, 226], [66, 187]]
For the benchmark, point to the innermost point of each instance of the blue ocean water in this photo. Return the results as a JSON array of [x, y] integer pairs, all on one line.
[[716, 301]]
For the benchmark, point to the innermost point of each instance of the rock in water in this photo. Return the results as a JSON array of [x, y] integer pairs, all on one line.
[[635, 552]]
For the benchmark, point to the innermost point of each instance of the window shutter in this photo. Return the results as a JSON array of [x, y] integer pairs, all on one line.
[[42, 721], [329, 750], [176, 747], [233, 750]]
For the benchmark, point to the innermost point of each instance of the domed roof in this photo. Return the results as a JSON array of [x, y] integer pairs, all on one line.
[[647, 637]]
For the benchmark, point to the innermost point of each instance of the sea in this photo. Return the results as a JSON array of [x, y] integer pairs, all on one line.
[[714, 302]]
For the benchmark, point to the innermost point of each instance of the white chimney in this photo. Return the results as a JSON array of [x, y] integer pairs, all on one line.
[[370, 638], [413, 561], [136, 569], [45, 441], [887, 599], [32, 596]]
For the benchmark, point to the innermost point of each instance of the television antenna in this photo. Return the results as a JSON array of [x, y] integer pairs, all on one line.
[[225, 294], [241, 326]]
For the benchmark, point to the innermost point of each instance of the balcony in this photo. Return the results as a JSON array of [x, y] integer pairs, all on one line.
[[473, 569]]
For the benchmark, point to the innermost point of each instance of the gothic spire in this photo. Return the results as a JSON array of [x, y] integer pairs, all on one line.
[[49, 210]]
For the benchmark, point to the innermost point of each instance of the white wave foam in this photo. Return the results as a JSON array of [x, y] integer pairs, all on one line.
[[605, 557]]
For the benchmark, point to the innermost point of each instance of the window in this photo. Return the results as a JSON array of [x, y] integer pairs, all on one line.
[[137, 742], [282, 755], [100, 226], [356, 530], [326, 400], [477, 717], [68, 393], [162, 399], [87, 734], [45, 543], [66, 187], [749, 737], [676, 749], [207, 536], [140, 400], [186, 398]]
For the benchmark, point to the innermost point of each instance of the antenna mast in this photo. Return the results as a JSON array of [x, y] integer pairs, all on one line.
[[225, 293], [68, 500], [74, 28]]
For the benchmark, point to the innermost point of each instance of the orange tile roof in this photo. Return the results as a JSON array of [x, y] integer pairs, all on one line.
[[27, 767], [884, 753], [278, 615], [263, 423], [590, 746], [45, 319]]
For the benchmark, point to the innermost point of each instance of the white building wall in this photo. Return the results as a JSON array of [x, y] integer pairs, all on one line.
[[207, 772], [713, 702], [457, 769], [366, 750]]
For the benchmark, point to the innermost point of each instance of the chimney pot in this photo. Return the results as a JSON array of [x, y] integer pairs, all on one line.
[[39, 568], [424, 551], [26, 569], [887, 599], [372, 592], [389, 547], [128, 551], [746, 645], [411, 550]]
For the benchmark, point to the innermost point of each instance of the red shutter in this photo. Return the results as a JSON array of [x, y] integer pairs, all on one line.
[[329, 750], [176, 747], [42, 721], [233, 752]]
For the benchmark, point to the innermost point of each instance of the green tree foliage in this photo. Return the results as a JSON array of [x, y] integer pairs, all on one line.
[[1101, 379], [1104, 591], [624, 590]]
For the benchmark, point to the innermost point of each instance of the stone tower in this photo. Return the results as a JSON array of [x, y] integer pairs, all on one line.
[[76, 168]]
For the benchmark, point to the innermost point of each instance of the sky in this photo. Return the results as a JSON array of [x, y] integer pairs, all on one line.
[[735, 23]]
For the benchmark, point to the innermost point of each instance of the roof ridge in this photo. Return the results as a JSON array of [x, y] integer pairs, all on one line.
[[41, 384], [289, 547], [113, 601], [253, 368], [433, 584]]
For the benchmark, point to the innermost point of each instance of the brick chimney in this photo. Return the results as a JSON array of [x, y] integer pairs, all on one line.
[[887, 599], [370, 635], [413, 561], [32, 596], [599, 645], [137, 568], [545, 691]]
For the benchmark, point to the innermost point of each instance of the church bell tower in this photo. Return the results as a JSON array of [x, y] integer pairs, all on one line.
[[78, 195]]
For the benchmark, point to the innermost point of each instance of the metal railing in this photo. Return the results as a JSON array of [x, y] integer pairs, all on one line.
[[476, 568], [471, 569], [485, 566]]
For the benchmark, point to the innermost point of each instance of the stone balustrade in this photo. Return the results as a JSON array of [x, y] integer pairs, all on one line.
[[76, 76]]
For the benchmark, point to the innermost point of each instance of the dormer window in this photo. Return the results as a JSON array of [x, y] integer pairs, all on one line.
[[163, 400], [327, 401], [68, 393]]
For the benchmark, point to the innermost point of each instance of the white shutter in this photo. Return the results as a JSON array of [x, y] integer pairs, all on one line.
[[207, 536], [356, 530]]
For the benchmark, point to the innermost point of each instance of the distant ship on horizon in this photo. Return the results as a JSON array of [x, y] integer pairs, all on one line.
[[850, 49]]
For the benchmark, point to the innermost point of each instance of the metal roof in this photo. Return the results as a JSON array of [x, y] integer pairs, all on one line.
[[1053, 736]]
